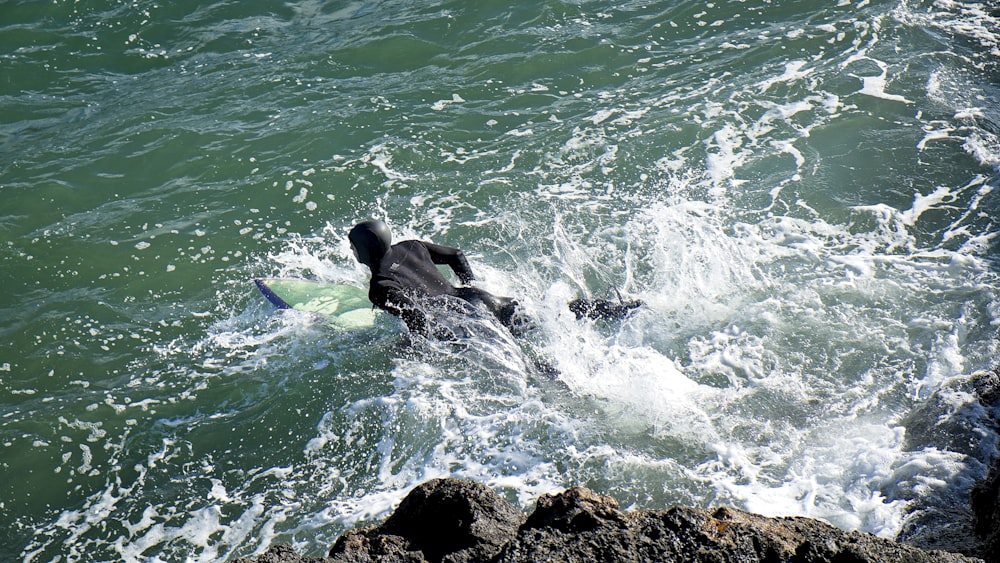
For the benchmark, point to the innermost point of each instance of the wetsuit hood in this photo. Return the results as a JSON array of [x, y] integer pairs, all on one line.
[[371, 239]]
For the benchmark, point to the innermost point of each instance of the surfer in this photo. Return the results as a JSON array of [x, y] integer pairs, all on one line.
[[405, 278]]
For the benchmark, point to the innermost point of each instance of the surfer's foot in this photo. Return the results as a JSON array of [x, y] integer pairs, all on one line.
[[603, 309]]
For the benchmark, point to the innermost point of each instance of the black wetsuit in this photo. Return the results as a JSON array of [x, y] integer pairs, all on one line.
[[406, 277], [407, 283]]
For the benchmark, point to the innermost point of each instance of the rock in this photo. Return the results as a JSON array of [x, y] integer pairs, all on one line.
[[444, 520], [448, 520], [957, 417], [580, 526], [986, 511], [959, 420], [985, 497], [576, 510], [279, 554]]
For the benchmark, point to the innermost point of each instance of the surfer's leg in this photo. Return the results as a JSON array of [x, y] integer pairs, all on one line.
[[505, 309]]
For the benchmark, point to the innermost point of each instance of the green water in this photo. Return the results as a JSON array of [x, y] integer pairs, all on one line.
[[805, 197]]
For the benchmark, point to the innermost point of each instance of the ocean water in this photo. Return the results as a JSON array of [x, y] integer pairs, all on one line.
[[804, 194]]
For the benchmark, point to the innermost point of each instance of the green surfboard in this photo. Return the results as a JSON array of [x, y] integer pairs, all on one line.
[[346, 306]]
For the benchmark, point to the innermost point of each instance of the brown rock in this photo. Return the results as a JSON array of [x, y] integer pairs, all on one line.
[[575, 510], [580, 526], [442, 520], [447, 520]]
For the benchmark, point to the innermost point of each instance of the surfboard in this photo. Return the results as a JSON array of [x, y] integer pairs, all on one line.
[[345, 305]]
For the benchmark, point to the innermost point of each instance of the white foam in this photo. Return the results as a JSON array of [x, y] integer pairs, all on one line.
[[793, 72], [873, 85], [984, 146], [931, 134], [442, 104], [724, 155], [645, 387], [833, 473], [946, 361]]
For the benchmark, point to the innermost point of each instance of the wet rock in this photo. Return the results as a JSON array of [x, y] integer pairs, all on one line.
[[449, 520], [444, 520], [956, 427], [580, 526], [576, 510], [279, 554], [986, 510], [959, 417], [985, 497]]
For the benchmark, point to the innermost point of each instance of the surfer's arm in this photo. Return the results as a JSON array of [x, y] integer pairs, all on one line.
[[392, 299], [452, 257]]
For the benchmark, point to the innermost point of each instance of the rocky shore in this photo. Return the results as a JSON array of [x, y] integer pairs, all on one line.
[[448, 520], [455, 521]]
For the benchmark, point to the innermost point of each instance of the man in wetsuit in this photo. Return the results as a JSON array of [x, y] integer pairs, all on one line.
[[405, 278]]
